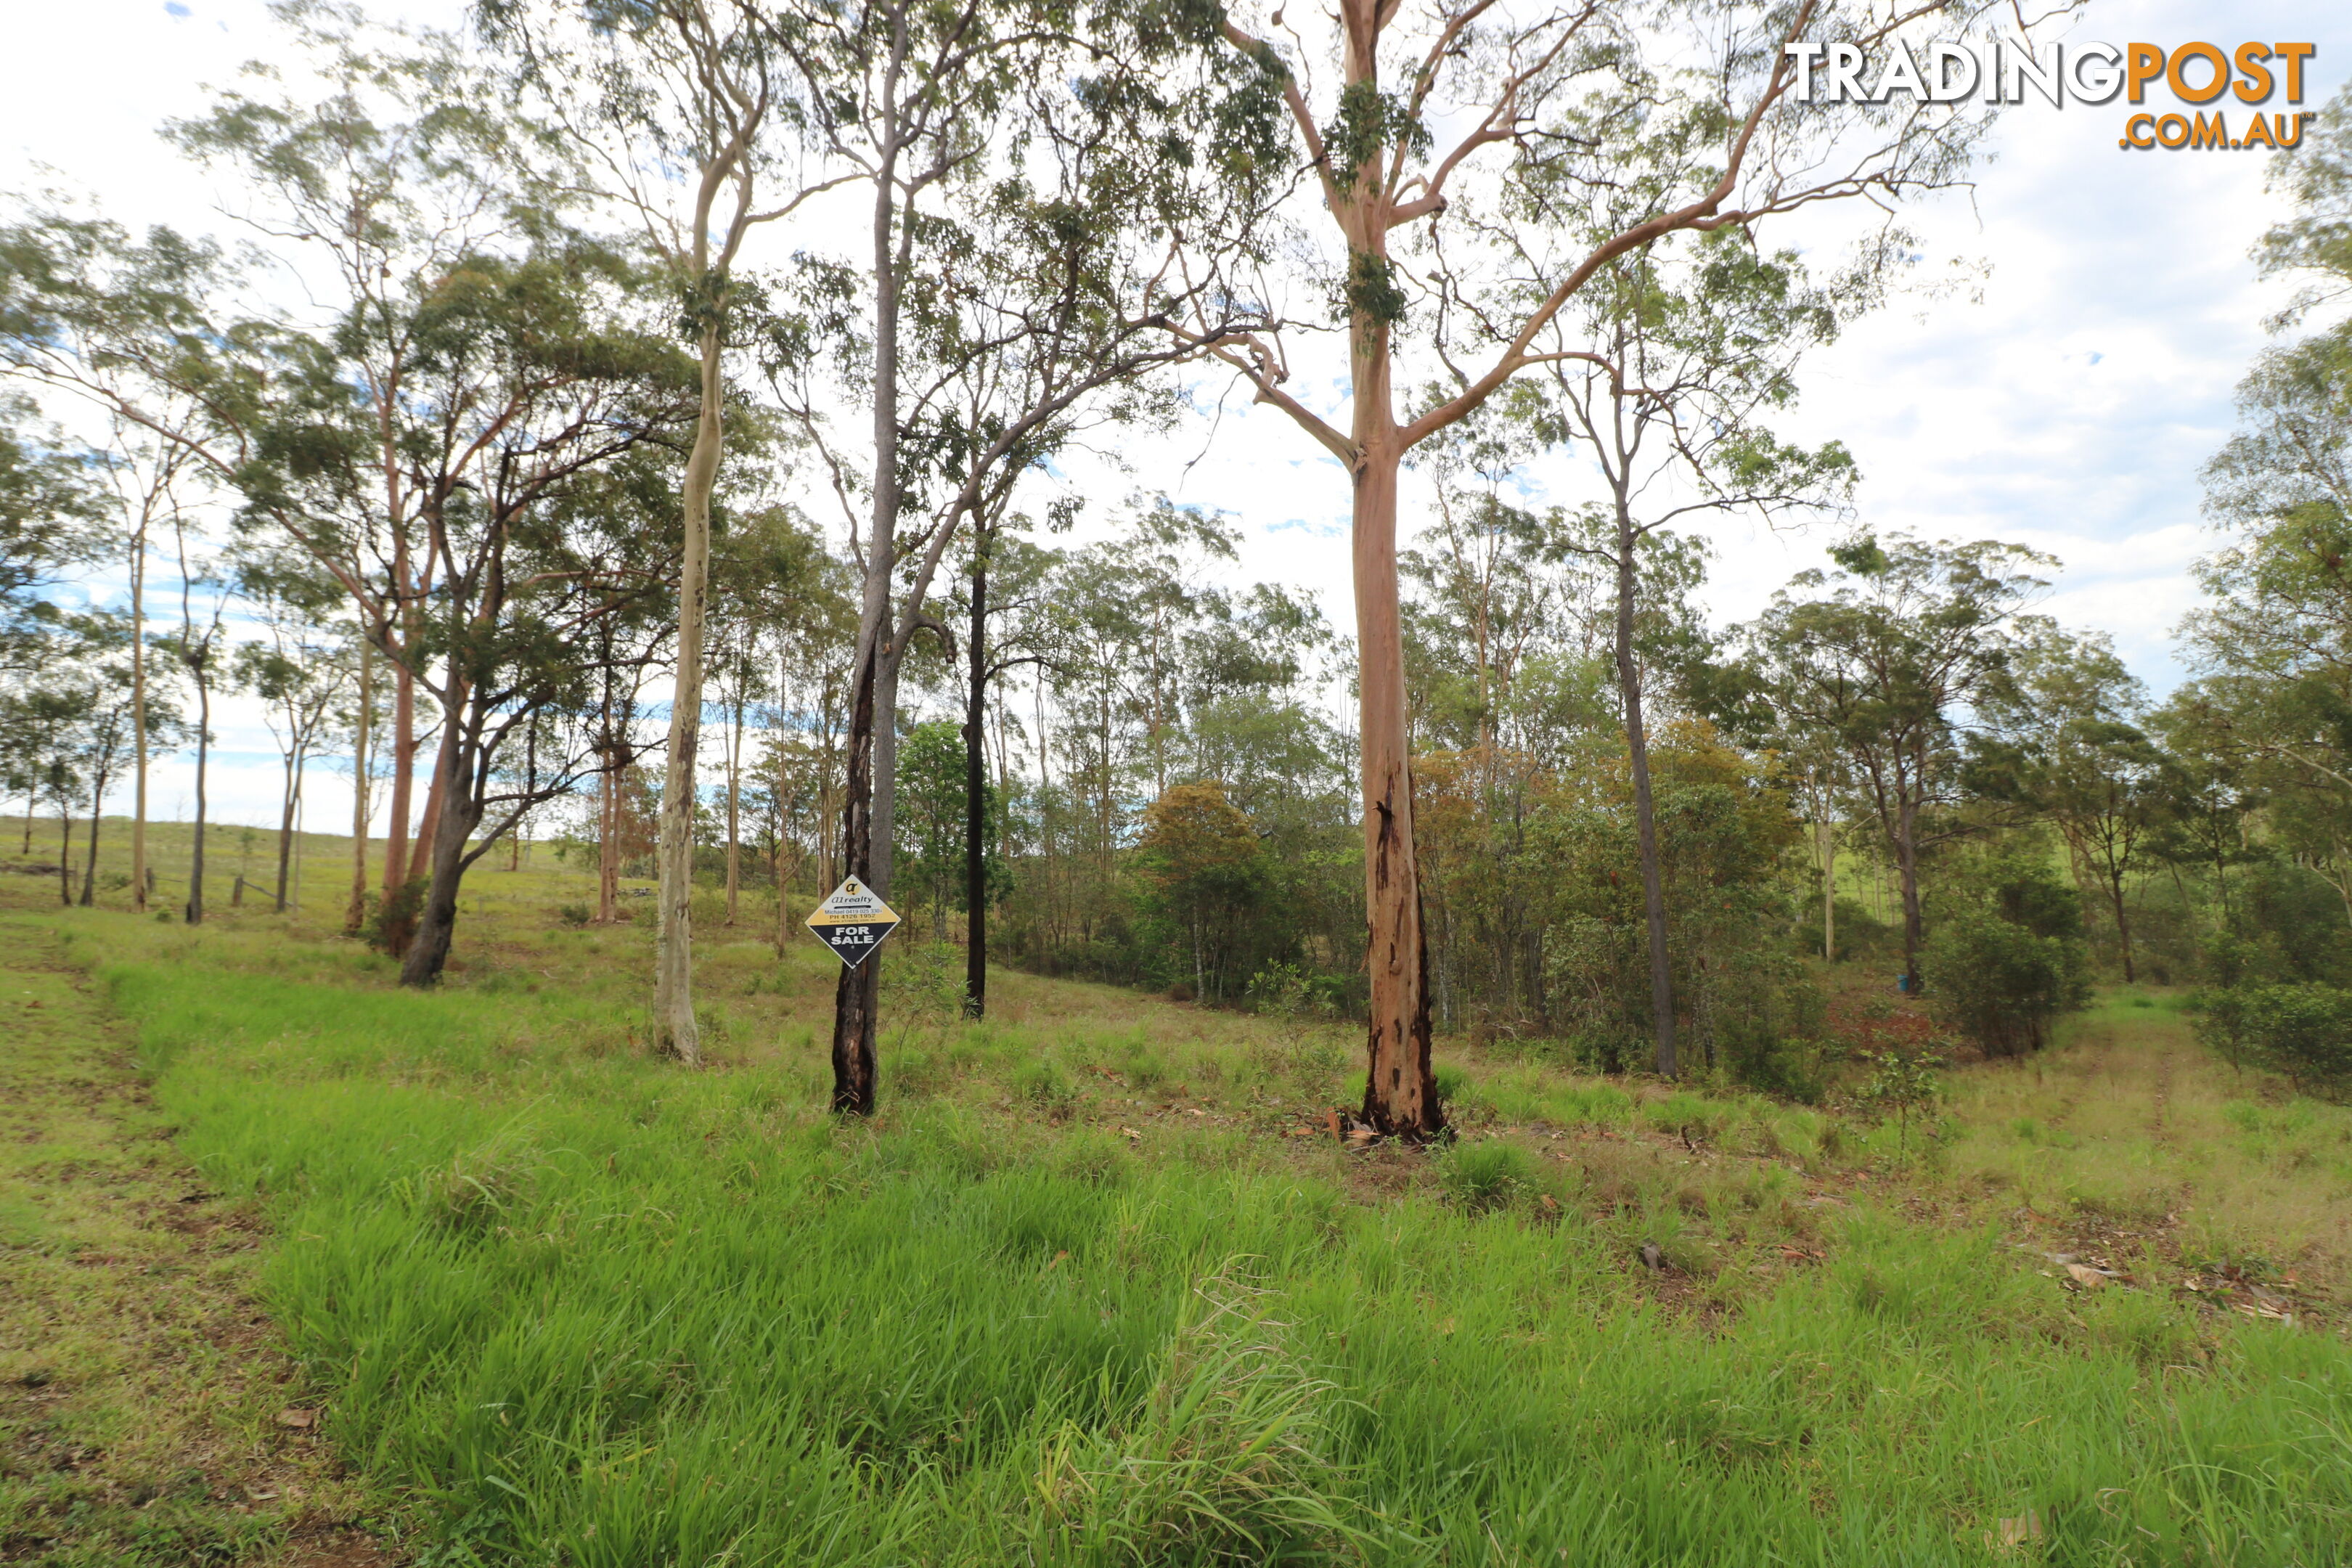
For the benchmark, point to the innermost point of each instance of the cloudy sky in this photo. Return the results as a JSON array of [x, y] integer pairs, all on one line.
[[2069, 408]]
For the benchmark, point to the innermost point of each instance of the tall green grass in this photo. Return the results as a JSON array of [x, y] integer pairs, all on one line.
[[597, 1310]]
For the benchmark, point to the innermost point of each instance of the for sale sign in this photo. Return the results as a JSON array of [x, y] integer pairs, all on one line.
[[853, 921]]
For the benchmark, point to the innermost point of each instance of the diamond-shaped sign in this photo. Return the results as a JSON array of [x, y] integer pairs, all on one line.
[[853, 921]]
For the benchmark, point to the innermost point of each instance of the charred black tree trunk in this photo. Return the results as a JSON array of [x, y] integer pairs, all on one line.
[[975, 797], [857, 995]]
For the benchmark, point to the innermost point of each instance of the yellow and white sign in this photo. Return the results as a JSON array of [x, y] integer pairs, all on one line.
[[853, 921]]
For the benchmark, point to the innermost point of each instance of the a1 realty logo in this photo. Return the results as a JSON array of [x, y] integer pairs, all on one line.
[[2257, 75]]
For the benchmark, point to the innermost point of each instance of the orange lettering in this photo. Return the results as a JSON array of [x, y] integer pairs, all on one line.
[[2257, 85], [2212, 89], [2146, 64], [2295, 54]]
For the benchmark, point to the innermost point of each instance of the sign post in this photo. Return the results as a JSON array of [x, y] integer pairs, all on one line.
[[853, 921]]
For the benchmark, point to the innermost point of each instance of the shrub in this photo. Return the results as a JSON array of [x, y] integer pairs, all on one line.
[[394, 920], [575, 914], [2000, 983], [1903, 1084], [2302, 1031]]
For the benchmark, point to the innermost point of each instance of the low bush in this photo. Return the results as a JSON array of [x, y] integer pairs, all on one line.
[[2000, 984], [2304, 1032]]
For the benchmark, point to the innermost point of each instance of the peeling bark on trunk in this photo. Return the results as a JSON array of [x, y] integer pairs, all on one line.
[[1399, 1088], [436, 919], [674, 963]]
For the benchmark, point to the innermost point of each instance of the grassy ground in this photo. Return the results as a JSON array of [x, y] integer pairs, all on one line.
[[148, 1414], [1094, 1289]]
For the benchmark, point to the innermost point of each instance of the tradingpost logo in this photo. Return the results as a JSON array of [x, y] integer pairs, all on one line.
[[2255, 75]]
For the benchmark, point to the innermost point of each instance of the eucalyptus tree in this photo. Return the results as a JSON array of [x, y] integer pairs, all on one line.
[[396, 163], [1006, 610], [104, 646], [301, 669], [2069, 746], [1048, 189], [1891, 661], [687, 119], [547, 382], [53, 511], [43, 726], [197, 648], [130, 328], [1482, 597], [1452, 256], [771, 585], [1664, 371]]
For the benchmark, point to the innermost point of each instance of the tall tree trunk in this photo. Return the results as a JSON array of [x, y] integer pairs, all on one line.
[[355, 910], [286, 833], [673, 960], [89, 866], [138, 714], [1827, 831], [436, 915], [428, 821], [734, 809], [1646, 824], [787, 863], [867, 800], [403, 681], [64, 852], [400, 933], [975, 797], [194, 911], [2123, 922], [857, 992], [608, 839], [1906, 870], [403, 767], [2188, 915], [1399, 1088], [294, 892]]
